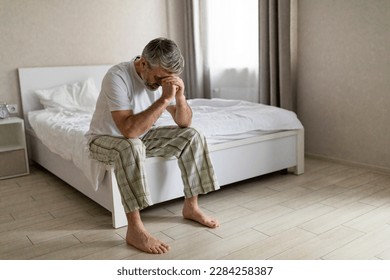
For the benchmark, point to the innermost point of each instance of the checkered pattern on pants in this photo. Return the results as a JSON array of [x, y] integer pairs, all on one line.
[[128, 157]]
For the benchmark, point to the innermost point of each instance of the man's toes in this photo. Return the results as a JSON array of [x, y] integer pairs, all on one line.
[[155, 250], [160, 248], [213, 224], [164, 249], [165, 246]]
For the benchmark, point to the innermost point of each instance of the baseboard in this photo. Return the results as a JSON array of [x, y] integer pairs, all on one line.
[[374, 168]]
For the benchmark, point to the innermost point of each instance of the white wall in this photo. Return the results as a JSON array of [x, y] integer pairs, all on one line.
[[344, 79], [73, 32]]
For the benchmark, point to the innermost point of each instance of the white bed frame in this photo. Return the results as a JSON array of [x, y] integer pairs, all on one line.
[[233, 161]]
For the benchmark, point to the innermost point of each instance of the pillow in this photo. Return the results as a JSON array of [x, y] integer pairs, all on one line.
[[79, 96]]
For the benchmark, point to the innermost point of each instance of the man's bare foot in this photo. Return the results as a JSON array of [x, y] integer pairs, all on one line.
[[143, 241], [191, 211], [138, 237]]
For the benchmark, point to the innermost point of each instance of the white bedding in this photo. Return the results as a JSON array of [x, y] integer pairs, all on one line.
[[62, 132], [222, 117], [219, 119]]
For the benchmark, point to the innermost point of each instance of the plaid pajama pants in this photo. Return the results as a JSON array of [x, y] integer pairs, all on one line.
[[128, 157]]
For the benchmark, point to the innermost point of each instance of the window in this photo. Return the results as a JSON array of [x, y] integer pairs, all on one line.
[[232, 33], [232, 48]]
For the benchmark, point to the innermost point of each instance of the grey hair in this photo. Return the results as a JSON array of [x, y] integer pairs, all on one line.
[[164, 53]]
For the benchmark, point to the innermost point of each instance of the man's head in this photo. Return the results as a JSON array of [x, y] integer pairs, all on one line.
[[164, 53], [160, 58]]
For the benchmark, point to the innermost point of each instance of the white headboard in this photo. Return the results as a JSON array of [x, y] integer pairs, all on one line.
[[31, 79]]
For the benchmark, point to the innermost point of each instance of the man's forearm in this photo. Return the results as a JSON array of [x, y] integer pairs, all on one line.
[[183, 113], [139, 123]]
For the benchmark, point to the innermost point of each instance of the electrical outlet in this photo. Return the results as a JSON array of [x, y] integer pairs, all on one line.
[[12, 108]]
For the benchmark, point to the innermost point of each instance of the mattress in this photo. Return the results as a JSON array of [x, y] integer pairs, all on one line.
[[220, 120]]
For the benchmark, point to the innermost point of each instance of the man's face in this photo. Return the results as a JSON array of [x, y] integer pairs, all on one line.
[[153, 77]]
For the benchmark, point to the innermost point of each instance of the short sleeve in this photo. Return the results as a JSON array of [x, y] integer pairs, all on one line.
[[117, 93]]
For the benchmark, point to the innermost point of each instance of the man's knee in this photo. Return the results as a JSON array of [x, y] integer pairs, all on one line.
[[125, 144], [193, 133], [133, 146]]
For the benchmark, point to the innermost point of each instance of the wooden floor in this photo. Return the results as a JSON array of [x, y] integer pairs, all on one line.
[[333, 211]]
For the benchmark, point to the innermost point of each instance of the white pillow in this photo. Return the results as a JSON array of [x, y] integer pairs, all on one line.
[[79, 96]]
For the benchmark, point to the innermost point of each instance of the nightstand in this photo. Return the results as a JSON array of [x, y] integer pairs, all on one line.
[[13, 148]]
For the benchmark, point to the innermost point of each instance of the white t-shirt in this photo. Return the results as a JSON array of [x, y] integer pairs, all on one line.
[[122, 89]]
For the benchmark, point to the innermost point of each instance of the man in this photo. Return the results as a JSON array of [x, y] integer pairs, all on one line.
[[133, 96]]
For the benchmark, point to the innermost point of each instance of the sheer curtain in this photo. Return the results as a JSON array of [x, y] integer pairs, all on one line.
[[241, 50], [231, 52]]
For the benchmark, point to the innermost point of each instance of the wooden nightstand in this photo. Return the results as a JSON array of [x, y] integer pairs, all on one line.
[[13, 148]]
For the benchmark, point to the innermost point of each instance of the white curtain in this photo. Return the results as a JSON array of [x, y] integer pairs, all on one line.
[[230, 28], [224, 57]]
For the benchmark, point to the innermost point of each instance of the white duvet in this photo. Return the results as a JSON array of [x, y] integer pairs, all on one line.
[[222, 117], [218, 119]]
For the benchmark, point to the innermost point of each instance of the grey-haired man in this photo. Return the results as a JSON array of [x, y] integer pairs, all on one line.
[[133, 96]]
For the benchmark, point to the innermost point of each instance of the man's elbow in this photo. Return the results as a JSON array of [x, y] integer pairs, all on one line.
[[184, 124], [130, 132]]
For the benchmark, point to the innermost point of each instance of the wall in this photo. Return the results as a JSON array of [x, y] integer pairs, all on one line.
[[72, 32], [344, 79]]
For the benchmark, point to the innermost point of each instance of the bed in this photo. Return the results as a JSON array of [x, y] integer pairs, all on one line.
[[235, 156]]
